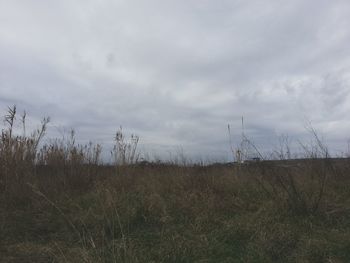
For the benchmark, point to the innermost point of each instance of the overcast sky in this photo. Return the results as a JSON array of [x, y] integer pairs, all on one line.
[[177, 72]]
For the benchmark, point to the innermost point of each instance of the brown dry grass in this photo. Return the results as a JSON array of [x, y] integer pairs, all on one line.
[[59, 204]]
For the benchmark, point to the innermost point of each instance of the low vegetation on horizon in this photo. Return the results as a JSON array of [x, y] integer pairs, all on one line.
[[60, 203]]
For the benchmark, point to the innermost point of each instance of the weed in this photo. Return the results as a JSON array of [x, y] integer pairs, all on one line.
[[60, 203]]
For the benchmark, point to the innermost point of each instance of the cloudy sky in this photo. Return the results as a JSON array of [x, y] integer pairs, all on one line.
[[177, 72]]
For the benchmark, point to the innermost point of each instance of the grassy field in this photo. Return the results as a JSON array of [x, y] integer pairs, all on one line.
[[59, 204]]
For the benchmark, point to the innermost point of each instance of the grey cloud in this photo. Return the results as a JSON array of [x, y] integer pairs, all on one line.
[[177, 72]]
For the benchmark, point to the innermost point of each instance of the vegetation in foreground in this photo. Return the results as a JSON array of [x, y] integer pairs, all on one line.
[[59, 204]]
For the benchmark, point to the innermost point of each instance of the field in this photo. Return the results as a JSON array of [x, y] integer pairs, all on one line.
[[58, 203]]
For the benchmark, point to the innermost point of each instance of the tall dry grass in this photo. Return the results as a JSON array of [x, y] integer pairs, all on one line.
[[59, 203]]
